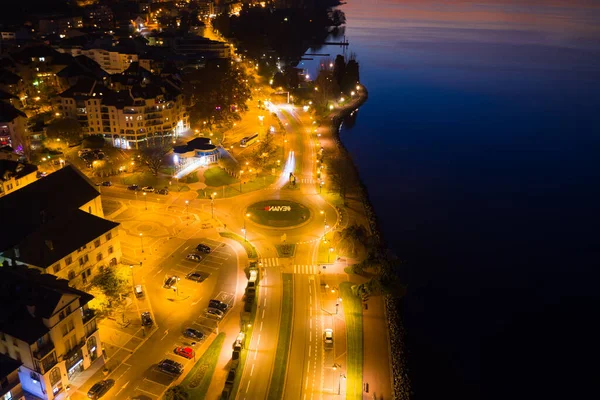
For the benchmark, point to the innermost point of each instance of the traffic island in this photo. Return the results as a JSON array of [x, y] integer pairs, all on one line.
[[278, 213]]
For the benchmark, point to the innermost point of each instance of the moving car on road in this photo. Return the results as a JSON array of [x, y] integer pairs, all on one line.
[[133, 187], [106, 183], [203, 248], [186, 352], [328, 336], [214, 313], [146, 319], [170, 282], [170, 367], [148, 189], [163, 191], [193, 257], [195, 276], [219, 305], [100, 388], [193, 334]]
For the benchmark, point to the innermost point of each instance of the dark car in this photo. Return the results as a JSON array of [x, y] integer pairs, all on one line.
[[170, 282], [230, 376], [203, 248], [146, 319], [193, 334], [219, 305], [195, 276], [100, 388], [148, 189], [133, 187], [170, 367], [163, 191], [106, 183], [214, 314]]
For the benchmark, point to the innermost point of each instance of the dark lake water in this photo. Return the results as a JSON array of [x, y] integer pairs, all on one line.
[[480, 145]]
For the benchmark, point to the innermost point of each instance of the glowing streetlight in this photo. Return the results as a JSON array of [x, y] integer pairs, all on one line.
[[330, 107], [328, 260], [245, 231], [145, 201], [142, 242]]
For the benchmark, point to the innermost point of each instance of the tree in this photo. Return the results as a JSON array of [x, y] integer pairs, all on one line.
[[339, 69], [154, 157], [176, 393], [108, 282], [67, 129], [353, 240], [341, 174], [337, 18], [351, 77], [264, 150], [326, 86]]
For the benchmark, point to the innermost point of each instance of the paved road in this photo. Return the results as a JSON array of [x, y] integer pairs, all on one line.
[[173, 310]]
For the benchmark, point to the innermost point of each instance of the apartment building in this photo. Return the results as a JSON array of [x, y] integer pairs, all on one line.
[[48, 327], [10, 385], [12, 126], [132, 108], [63, 234], [15, 175]]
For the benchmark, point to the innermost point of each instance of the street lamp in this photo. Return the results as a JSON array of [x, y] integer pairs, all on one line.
[[320, 186], [186, 208], [325, 228], [145, 201], [329, 253], [247, 216], [212, 204], [142, 242]]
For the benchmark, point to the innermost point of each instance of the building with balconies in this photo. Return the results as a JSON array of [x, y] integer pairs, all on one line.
[[14, 175], [131, 109], [10, 385], [62, 234], [49, 328]]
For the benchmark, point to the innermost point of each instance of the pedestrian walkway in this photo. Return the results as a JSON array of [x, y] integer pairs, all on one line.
[[307, 180], [306, 269], [270, 262]]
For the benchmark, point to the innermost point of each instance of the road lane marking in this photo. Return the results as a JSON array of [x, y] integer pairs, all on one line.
[[252, 370], [261, 323], [258, 341], [255, 353], [309, 350], [122, 387], [310, 337], [165, 335], [247, 386], [263, 314], [311, 324], [197, 301]]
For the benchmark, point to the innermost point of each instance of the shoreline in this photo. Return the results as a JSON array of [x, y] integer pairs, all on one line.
[[396, 334]]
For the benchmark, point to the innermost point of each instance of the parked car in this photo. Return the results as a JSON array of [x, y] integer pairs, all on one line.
[[149, 189], [133, 187], [41, 174], [106, 183], [100, 388], [146, 319], [203, 248], [139, 291], [186, 352], [170, 282], [328, 336], [195, 276], [214, 313], [219, 305], [163, 191], [170, 367], [193, 334], [193, 257]]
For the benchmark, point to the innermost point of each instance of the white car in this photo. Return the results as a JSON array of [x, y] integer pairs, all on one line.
[[148, 189], [328, 336], [193, 257]]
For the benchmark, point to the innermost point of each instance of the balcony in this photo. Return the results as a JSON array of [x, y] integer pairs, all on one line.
[[105, 116], [88, 315], [44, 350]]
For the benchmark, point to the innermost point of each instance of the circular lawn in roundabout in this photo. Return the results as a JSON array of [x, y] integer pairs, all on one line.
[[278, 213]]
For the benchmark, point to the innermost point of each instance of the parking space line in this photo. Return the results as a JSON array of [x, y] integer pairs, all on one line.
[[147, 392]]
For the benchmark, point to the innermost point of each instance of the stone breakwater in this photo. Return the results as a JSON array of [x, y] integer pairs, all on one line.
[[401, 385]]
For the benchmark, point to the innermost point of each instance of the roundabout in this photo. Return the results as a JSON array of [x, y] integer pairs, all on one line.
[[278, 213]]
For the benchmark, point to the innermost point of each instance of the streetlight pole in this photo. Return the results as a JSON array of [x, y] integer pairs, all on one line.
[[212, 204], [145, 201], [247, 215], [186, 208], [132, 281], [142, 242]]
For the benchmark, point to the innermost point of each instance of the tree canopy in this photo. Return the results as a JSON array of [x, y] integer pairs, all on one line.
[[154, 156], [67, 129]]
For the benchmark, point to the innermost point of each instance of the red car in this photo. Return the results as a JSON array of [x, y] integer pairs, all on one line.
[[186, 352]]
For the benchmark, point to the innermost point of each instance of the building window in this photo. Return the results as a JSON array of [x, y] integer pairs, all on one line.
[[83, 259], [54, 376], [99, 257], [71, 275], [97, 243], [69, 260], [70, 325], [110, 250], [109, 236], [56, 268], [113, 262], [64, 330]]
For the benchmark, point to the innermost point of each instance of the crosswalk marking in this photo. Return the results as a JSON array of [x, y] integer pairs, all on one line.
[[307, 180], [270, 262], [306, 269]]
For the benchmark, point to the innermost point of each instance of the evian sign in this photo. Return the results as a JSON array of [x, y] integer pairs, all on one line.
[[278, 208]]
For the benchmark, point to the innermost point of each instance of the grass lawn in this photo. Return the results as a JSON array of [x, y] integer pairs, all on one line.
[[216, 176], [324, 256], [250, 249], [283, 344], [197, 381], [234, 189], [354, 336]]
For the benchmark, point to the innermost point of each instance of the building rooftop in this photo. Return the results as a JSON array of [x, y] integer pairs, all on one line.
[[10, 169], [28, 296], [8, 113], [59, 237], [43, 200], [8, 366], [200, 143]]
